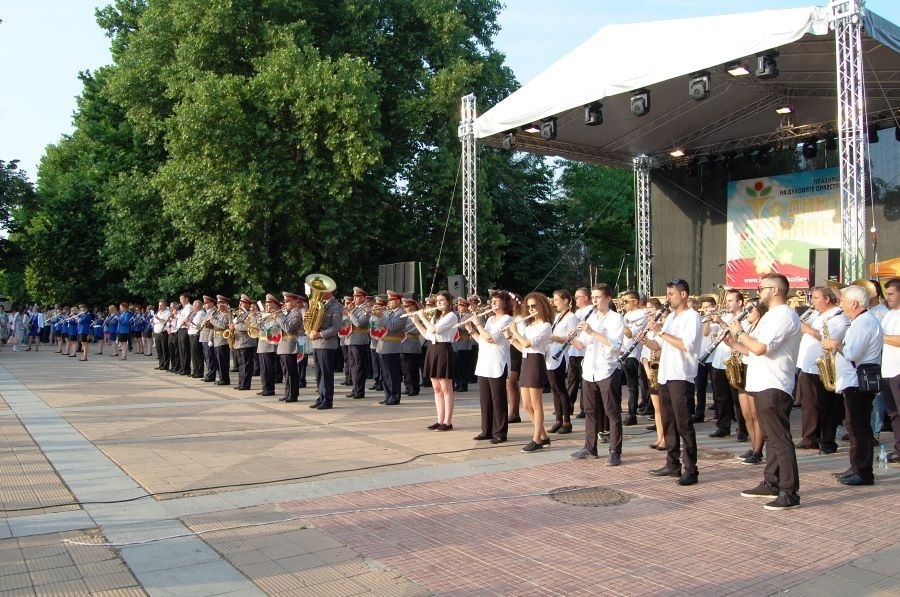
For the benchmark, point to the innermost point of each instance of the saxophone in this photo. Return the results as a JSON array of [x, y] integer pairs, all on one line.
[[734, 371], [653, 371], [825, 363]]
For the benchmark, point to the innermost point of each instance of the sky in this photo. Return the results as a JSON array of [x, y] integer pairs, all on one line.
[[46, 43]]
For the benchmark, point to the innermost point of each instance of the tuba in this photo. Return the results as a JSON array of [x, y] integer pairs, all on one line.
[[825, 363], [319, 284]]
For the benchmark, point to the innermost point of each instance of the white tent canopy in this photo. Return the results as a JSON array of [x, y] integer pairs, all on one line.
[[660, 55]]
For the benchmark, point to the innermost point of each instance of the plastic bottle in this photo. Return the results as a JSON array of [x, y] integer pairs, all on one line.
[[882, 458]]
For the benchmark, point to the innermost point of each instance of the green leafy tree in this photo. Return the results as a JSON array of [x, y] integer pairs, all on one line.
[[17, 198]]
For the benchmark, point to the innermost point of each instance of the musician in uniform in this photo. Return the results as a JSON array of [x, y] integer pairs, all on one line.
[[890, 362], [343, 334], [635, 319], [172, 329], [85, 318], [389, 348], [492, 367], [182, 322], [819, 405], [709, 331], [244, 345], [771, 367], [561, 329], [727, 400], [861, 347], [678, 340], [193, 331], [357, 342], [325, 344], [291, 321], [160, 335], [601, 336], [411, 351], [205, 338], [265, 350], [374, 371], [221, 321]]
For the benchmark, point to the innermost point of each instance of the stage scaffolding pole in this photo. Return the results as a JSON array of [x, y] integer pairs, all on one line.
[[846, 19], [643, 256], [466, 134]]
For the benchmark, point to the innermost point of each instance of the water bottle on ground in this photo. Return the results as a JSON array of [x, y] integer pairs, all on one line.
[[882, 458]]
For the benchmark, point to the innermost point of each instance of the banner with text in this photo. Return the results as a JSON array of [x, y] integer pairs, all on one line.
[[774, 221]]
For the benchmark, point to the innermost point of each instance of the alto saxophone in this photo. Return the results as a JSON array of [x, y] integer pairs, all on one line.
[[653, 371], [734, 371], [826, 363]]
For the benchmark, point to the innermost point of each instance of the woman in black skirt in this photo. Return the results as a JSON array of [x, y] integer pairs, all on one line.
[[440, 362], [531, 336], [515, 366]]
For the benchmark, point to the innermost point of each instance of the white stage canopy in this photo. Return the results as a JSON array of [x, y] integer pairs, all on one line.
[[738, 112]]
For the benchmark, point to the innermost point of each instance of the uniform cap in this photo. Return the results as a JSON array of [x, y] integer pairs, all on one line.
[[246, 299], [290, 296], [222, 299], [208, 299], [381, 300], [271, 298], [408, 301], [394, 295], [357, 291]]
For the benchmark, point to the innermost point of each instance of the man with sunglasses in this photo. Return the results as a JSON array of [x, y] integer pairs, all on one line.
[[678, 340], [772, 350]]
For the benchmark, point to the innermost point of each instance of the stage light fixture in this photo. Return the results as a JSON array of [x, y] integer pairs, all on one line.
[[737, 69], [810, 148], [698, 85], [784, 110], [831, 142], [548, 129], [766, 67], [531, 128], [509, 140], [593, 114], [676, 153], [872, 133], [640, 102]]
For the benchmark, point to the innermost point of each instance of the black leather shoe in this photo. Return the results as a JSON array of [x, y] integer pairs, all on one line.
[[698, 419], [855, 480], [498, 440], [566, 428], [223, 383], [351, 395], [844, 474], [291, 400], [208, 380], [265, 393], [414, 393], [555, 427], [688, 479], [324, 406], [393, 401], [315, 404], [480, 437], [580, 415], [742, 437], [720, 433], [282, 399], [666, 471], [378, 387], [630, 420]]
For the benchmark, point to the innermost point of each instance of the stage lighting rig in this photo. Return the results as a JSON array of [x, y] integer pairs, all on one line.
[[766, 67], [548, 129], [509, 140], [698, 85], [593, 114], [531, 128], [737, 69], [640, 102], [810, 148]]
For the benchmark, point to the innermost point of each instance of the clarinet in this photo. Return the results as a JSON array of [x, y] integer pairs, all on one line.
[[740, 317], [637, 340], [572, 335]]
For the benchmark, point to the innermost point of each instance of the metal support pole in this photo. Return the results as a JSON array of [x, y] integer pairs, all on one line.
[[466, 134], [847, 23], [642, 224]]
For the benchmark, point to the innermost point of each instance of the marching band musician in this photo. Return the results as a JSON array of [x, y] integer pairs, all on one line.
[[635, 319], [244, 345], [220, 320], [861, 346], [819, 405], [148, 331], [303, 347], [205, 337], [374, 371], [343, 334], [601, 337], [85, 318], [678, 340], [137, 329], [182, 322], [291, 321], [160, 335], [652, 308], [492, 367], [440, 360], [462, 348], [563, 323], [58, 329], [770, 381], [411, 351], [727, 400], [532, 340], [513, 392], [123, 330], [97, 329], [358, 343], [72, 333], [195, 333], [172, 337], [890, 362], [265, 351], [573, 366], [324, 344], [389, 348], [748, 404], [709, 331]]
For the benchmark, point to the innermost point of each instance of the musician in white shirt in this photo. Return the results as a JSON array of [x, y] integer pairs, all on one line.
[[563, 323], [890, 361], [601, 338], [635, 319], [862, 345], [678, 340], [770, 381], [492, 367], [820, 406], [727, 400], [531, 338], [583, 308]]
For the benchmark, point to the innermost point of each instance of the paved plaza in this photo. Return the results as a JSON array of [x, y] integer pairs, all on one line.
[[118, 479]]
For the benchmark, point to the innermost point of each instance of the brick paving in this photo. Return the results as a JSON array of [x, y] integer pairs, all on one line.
[[363, 500]]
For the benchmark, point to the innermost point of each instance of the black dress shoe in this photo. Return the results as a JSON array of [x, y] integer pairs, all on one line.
[[630, 420], [315, 404], [688, 479], [393, 401], [223, 383], [291, 400], [514, 420], [698, 419], [566, 428], [847, 473], [580, 415], [498, 440], [666, 471], [282, 399], [351, 395], [265, 393], [324, 406], [414, 393], [209, 380], [855, 479], [742, 437], [720, 433], [378, 387], [555, 427], [481, 436]]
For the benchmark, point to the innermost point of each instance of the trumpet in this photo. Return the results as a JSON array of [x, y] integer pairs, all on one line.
[[474, 315], [419, 312], [709, 316]]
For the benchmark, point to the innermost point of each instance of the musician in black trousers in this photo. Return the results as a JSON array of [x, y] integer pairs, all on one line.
[[184, 346], [160, 335], [325, 345], [194, 340]]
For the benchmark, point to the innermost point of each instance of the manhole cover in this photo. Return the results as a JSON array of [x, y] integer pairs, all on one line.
[[589, 496], [713, 454]]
